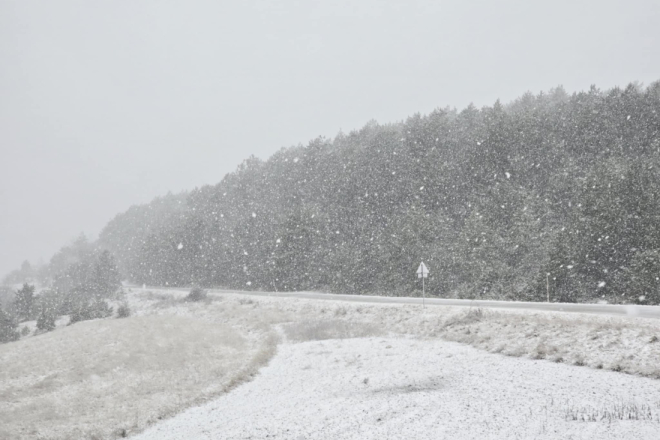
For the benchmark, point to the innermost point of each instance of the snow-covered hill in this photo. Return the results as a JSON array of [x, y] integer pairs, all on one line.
[[333, 369], [397, 388]]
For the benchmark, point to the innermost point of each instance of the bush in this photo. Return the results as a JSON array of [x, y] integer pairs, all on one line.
[[6, 296], [90, 310], [101, 309], [123, 311], [196, 294], [46, 321], [50, 301], [82, 313], [8, 326], [24, 302]]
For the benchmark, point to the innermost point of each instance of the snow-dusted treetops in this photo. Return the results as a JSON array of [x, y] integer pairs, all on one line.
[[551, 194]]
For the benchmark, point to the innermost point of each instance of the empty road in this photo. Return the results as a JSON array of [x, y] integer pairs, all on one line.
[[599, 309]]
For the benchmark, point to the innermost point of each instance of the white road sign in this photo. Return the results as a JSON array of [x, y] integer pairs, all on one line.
[[422, 271]]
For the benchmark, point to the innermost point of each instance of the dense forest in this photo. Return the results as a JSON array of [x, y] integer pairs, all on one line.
[[550, 195]]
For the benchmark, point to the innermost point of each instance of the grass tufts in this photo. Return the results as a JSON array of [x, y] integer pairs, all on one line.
[[612, 412], [329, 329], [196, 294]]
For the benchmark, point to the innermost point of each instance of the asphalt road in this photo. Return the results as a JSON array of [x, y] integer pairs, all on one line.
[[598, 309]]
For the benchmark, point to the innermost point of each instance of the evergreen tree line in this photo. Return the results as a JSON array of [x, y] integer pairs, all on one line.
[[84, 278], [552, 195]]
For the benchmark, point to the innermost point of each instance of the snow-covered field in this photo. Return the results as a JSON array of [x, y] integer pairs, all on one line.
[[382, 371], [381, 388], [341, 368], [102, 379]]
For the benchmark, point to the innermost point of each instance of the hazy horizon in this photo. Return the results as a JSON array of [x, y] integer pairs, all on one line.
[[108, 105]]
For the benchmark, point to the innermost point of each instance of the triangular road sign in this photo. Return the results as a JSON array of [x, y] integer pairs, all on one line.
[[422, 271]]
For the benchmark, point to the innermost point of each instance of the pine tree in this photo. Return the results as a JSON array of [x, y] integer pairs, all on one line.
[[46, 321], [8, 327], [643, 277], [105, 278], [25, 302], [498, 197]]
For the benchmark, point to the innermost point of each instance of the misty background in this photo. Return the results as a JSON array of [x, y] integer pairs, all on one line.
[[107, 104]]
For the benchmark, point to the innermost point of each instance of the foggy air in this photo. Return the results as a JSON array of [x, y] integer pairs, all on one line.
[[329, 220]]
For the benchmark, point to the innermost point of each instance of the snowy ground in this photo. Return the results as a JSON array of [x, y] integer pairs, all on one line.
[[379, 388], [619, 343], [334, 376]]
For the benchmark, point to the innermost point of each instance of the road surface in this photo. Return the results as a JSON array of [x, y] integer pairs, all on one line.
[[599, 309]]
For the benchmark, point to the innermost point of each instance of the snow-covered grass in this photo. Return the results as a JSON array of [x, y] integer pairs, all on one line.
[[103, 379], [613, 411], [316, 330], [619, 343], [624, 344], [28, 329], [107, 378], [628, 345], [407, 388]]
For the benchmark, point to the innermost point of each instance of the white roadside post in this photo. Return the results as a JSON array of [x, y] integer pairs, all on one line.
[[423, 272]]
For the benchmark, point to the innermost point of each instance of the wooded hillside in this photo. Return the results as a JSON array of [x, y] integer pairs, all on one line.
[[492, 199]]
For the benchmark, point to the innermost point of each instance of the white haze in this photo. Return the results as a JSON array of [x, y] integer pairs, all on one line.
[[110, 103]]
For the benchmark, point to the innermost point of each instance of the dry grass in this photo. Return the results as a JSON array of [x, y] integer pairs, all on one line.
[[613, 412], [100, 379], [618, 344], [318, 330], [624, 344], [105, 379]]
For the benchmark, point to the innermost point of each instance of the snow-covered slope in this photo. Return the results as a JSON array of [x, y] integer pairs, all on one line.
[[392, 388]]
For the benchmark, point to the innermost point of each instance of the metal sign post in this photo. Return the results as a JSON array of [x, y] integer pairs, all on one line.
[[423, 272], [423, 295]]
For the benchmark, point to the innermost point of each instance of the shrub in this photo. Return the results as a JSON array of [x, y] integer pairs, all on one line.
[[49, 301], [25, 331], [474, 315], [82, 313], [101, 309], [616, 367], [471, 316], [24, 302], [90, 310], [196, 294], [8, 326], [579, 360], [46, 321], [341, 311], [245, 301], [123, 311]]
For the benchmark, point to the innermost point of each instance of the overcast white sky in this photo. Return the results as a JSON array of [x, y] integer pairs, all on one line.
[[105, 104]]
